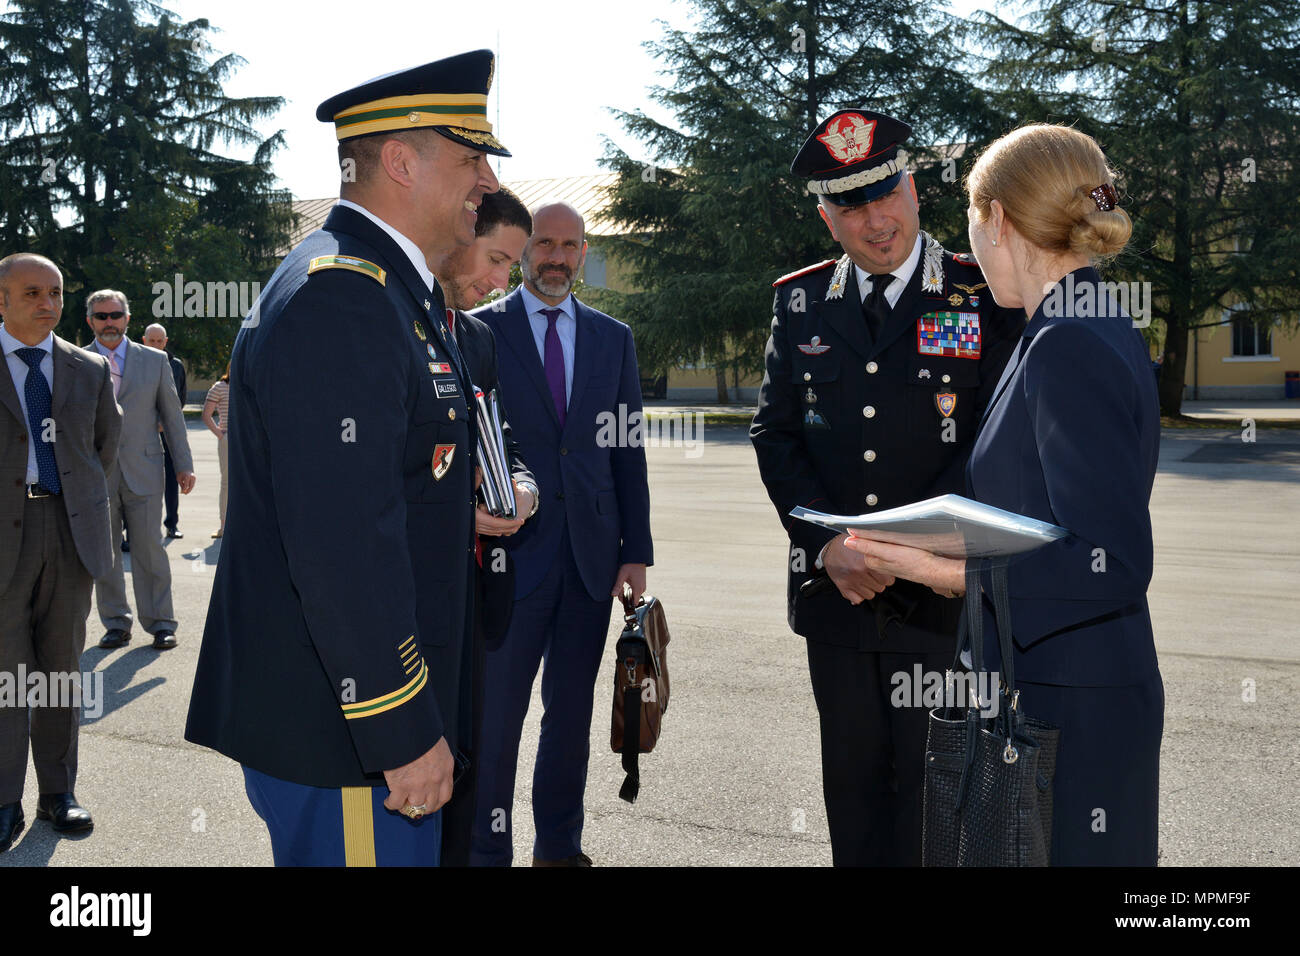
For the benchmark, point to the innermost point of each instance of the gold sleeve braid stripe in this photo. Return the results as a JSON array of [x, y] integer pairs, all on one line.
[[377, 705], [411, 655]]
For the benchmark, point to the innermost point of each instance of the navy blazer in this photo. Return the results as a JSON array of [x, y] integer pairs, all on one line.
[[178, 375], [1072, 436], [598, 488]]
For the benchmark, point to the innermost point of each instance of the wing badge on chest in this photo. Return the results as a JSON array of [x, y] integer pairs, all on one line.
[[815, 347]]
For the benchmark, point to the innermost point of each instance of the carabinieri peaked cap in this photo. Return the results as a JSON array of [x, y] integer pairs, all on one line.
[[853, 157], [449, 96]]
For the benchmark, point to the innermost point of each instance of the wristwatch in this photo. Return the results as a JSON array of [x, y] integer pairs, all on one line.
[[537, 497]]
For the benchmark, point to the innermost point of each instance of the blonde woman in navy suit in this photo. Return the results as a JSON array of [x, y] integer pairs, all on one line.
[[1071, 437]]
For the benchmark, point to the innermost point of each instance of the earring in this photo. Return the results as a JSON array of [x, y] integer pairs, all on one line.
[[995, 242]]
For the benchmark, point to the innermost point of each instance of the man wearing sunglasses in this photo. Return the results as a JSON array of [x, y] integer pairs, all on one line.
[[146, 393]]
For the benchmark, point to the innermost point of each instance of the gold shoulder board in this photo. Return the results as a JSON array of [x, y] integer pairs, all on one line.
[[352, 264]]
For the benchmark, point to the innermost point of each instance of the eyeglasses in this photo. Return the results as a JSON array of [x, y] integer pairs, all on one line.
[[105, 316]]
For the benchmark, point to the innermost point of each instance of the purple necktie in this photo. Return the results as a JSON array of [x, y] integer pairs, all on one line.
[[555, 363]]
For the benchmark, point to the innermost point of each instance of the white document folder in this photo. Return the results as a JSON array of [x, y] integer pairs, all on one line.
[[949, 525]]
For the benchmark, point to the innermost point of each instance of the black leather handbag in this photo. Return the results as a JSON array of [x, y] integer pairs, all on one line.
[[988, 776]]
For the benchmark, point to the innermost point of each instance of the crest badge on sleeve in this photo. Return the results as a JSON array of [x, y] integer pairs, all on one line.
[[442, 456]]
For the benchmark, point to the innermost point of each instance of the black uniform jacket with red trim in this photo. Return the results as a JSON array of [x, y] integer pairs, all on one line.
[[846, 425], [340, 611]]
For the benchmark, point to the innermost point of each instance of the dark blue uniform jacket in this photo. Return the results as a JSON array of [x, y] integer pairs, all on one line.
[[340, 611]]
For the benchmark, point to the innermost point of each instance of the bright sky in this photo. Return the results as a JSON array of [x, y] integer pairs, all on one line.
[[560, 67]]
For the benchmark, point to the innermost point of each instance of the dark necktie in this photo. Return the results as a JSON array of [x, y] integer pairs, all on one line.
[[875, 307], [37, 393], [555, 363]]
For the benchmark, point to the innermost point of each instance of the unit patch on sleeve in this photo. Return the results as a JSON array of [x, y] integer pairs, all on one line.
[[441, 463]]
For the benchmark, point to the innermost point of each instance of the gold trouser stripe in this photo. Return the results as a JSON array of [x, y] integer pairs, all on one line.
[[358, 827]]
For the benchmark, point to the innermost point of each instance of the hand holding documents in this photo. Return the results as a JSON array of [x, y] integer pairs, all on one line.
[[949, 525], [497, 489]]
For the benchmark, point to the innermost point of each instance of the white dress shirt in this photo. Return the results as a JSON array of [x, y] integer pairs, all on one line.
[[566, 325], [406, 245], [19, 369], [896, 288]]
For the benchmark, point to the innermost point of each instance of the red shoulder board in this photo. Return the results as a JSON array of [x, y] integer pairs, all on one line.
[[965, 258], [803, 272]]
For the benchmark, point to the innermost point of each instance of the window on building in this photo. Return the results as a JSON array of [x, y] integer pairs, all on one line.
[[593, 272], [1249, 339]]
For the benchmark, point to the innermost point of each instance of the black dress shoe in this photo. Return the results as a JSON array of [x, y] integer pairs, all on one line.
[[116, 637], [164, 640], [63, 812], [578, 859], [126, 547], [11, 824]]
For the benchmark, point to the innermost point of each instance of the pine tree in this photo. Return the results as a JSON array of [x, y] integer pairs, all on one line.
[[714, 215], [110, 115], [1197, 105]]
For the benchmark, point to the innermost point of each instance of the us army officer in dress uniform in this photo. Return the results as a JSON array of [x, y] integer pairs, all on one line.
[[878, 368], [332, 661]]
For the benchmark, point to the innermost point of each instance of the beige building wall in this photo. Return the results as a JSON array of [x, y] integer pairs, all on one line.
[[1216, 369]]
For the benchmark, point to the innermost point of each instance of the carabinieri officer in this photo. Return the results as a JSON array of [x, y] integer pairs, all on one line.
[[878, 368], [332, 660]]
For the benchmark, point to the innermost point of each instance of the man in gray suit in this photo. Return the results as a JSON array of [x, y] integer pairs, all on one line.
[[59, 429], [142, 381]]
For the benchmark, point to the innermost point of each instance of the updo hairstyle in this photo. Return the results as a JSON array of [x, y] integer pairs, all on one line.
[[1044, 176]]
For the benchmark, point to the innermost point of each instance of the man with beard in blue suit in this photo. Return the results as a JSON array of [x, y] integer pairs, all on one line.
[[567, 369]]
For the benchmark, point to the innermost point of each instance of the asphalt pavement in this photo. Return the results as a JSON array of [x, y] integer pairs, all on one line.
[[736, 778]]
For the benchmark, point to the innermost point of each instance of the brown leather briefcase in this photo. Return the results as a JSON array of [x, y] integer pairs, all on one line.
[[640, 686]]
